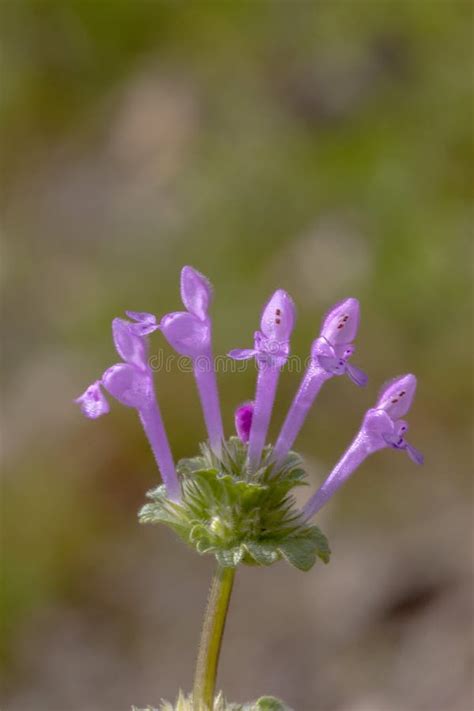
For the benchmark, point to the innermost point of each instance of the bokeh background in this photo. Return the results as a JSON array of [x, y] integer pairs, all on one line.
[[321, 147]]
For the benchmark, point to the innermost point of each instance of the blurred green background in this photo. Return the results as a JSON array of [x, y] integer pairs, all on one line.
[[321, 147]]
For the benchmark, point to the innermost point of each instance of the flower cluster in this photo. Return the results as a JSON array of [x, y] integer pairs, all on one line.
[[240, 467]]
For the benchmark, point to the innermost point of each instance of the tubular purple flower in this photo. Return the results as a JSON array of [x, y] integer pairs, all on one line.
[[271, 351], [380, 428], [189, 333], [131, 383], [330, 354]]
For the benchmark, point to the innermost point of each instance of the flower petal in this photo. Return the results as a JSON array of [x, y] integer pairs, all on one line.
[[186, 333], [93, 402], [243, 420], [145, 322], [356, 375], [196, 292], [130, 346], [378, 422], [397, 395], [242, 353], [128, 384], [278, 317], [322, 347], [414, 454], [344, 350], [341, 323], [332, 365]]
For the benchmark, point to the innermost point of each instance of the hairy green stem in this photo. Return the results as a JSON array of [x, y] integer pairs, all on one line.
[[211, 638]]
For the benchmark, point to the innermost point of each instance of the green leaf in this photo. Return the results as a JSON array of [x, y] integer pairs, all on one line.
[[270, 703], [300, 553], [263, 554]]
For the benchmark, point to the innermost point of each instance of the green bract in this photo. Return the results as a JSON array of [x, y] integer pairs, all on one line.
[[185, 703], [238, 516]]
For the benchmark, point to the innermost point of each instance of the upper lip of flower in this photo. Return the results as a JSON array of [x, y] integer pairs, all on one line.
[[196, 292], [189, 332], [396, 396], [341, 323]]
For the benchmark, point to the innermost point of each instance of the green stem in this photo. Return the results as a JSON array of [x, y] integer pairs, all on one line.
[[211, 639]]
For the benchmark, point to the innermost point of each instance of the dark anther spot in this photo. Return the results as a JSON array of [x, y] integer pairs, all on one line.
[[341, 325], [278, 312], [345, 318], [278, 321], [402, 393], [394, 401]]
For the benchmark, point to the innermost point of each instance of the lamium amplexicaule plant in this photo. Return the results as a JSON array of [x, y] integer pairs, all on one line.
[[233, 500]]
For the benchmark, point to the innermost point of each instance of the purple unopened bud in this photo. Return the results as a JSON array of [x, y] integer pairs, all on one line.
[[93, 402], [378, 430], [243, 420]]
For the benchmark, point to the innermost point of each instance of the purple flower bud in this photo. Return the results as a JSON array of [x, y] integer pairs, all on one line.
[[196, 292], [243, 420], [92, 402], [187, 334], [378, 430]]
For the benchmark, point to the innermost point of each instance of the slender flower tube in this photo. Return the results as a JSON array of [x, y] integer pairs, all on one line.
[[330, 354], [131, 383], [271, 351], [189, 333], [381, 427]]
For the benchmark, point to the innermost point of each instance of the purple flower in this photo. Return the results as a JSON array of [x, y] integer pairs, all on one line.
[[243, 420], [330, 355], [93, 402], [271, 350], [131, 383], [380, 428], [189, 333]]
